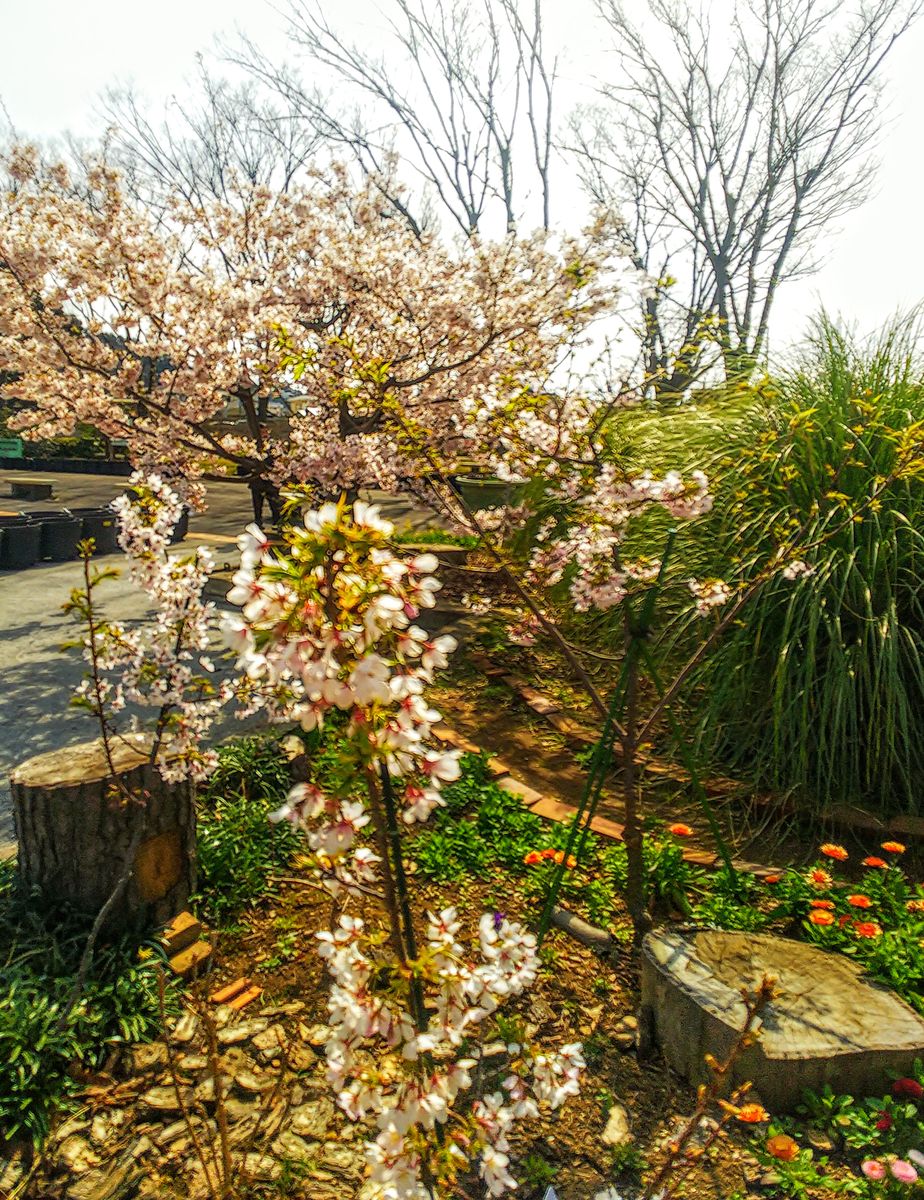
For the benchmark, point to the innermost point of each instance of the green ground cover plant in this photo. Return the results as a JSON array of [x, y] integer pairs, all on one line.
[[47, 1024]]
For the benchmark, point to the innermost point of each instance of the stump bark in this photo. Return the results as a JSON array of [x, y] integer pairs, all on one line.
[[79, 836]]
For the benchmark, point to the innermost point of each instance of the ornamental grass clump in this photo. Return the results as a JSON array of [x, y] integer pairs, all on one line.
[[327, 626], [818, 685]]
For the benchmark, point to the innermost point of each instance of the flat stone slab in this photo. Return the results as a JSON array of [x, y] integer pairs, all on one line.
[[830, 1024]]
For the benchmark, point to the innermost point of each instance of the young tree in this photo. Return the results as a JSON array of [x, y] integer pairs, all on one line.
[[733, 150], [463, 93]]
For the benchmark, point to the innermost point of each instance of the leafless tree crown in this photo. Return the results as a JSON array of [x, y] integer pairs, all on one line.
[[732, 148], [462, 93]]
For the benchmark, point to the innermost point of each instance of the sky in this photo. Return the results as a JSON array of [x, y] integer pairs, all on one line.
[[58, 57]]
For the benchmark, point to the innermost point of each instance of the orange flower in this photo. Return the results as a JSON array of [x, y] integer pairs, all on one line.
[[822, 903], [819, 878], [860, 901], [873, 861], [867, 929], [782, 1146], [893, 847], [548, 852], [680, 830], [833, 851], [844, 920], [752, 1114], [772, 878], [532, 858], [915, 906], [819, 917], [560, 858]]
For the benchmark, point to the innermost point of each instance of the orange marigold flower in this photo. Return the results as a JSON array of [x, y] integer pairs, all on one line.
[[873, 861], [819, 878], [867, 929], [845, 920], [860, 901], [752, 1114], [893, 847], [680, 830], [532, 858], [831, 850], [822, 903], [818, 916], [783, 1147], [559, 856], [772, 878], [548, 852], [915, 906]]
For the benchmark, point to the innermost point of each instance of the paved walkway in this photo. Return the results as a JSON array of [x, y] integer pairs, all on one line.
[[37, 678]]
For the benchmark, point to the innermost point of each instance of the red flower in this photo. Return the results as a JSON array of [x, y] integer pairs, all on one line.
[[772, 878], [680, 830], [844, 920], [907, 1089], [860, 901], [532, 858], [818, 916], [893, 847], [884, 1123], [867, 929], [873, 861], [819, 878], [833, 851]]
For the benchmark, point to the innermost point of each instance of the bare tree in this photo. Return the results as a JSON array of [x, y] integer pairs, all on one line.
[[732, 152], [462, 94], [228, 132]]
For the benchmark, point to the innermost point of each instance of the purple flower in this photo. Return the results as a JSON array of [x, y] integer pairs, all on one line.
[[498, 920]]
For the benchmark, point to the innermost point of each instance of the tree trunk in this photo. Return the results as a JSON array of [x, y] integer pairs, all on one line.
[[80, 835]]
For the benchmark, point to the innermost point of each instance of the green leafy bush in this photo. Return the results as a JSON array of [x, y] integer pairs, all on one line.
[[819, 685], [239, 849]]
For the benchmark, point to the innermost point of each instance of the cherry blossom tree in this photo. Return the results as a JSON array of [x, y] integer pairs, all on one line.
[[144, 324]]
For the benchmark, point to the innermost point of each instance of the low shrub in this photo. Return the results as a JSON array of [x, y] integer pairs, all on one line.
[[239, 849]]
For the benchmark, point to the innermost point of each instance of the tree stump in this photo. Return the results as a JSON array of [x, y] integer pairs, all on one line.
[[79, 836]]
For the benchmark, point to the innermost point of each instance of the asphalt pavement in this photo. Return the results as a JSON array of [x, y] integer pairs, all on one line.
[[38, 679]]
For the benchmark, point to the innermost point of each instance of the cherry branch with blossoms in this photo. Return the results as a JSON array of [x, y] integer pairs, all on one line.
[[164, 664], [327, 626]]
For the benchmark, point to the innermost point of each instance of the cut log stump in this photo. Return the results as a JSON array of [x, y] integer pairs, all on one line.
[[79, 835]]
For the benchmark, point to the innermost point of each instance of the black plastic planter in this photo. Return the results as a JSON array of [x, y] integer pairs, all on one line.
[[99, 524], [60, 533], [20, 542]]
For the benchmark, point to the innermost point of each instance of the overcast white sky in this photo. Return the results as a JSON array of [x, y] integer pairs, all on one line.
[[58, 56]]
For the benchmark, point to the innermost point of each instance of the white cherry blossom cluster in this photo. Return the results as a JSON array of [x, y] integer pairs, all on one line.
[[409, 1080], [163, 665], [328, 626]]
